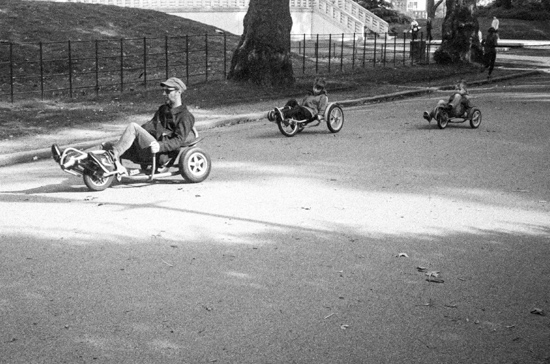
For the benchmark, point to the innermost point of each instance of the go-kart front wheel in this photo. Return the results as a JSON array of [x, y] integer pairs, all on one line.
[[288, 130], [95, 183], [475, 118], [335, 118], [194, 165], [442, 118]]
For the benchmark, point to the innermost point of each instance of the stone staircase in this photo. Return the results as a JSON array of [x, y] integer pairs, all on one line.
[[352, 17], [349, 16]]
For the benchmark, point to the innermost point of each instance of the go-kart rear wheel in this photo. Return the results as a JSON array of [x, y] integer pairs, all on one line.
[[194, 165], [288, 130], [95, 183], [442, 118], [335, 118], [475, 118]]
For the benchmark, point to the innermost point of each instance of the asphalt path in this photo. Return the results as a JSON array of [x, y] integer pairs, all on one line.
[[311, 249]]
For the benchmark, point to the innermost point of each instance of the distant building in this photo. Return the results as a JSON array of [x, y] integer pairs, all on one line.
[[413, 8]]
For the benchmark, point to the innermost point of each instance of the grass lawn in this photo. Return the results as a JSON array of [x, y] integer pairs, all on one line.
[[37, 21]]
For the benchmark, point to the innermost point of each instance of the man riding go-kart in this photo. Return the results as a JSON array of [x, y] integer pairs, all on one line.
[[457, 106], [161, 142]]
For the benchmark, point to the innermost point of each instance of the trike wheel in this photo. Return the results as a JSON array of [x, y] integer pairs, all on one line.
[[335, 118], [475, 119], [442, 119], [95, 183], [194, 165], [288, 130]]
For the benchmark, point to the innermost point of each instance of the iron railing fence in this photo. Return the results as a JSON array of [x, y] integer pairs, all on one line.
[[73, 68], [329, 53], [80, 68]]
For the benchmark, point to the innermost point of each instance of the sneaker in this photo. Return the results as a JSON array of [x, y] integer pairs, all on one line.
[[427, 116], [164, 167], [56, 153]]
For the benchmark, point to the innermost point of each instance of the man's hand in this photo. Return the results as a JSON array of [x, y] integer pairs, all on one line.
[[155, 147]]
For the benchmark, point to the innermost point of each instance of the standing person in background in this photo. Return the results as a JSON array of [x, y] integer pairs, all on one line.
[[494, 23], [429, 29], [489, 50], [414, 29]]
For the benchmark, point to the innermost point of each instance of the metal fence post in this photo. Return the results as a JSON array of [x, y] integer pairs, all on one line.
[[224, 55], [404, 46], [70, 71], [364, 48], [329, 50], [385, 47], [374, 57], [166, 56], [353, 53], [11, 72], [206, 57], [304, 56], [121, 64], [145, 62], [421, 53], [41, 73], [317, 55], [342, 54], [411, 49], [96, 67], [394, 48], [186, 59]]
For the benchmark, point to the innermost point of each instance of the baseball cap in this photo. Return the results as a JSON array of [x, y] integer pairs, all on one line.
[[174, 82]]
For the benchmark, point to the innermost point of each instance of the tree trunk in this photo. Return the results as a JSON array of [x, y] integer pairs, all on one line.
[[460, 34], [263, 53], [431, 7]]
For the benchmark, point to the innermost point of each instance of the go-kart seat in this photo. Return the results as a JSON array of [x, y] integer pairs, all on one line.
[[174, 155]]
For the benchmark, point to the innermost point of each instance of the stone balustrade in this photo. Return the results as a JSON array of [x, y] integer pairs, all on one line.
[[350, 15]]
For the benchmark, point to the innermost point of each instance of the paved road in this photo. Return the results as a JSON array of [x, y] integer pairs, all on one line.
[[289, 252]]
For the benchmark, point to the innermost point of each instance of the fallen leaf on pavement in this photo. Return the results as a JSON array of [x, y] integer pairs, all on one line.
[[433, 273], [538, 311]]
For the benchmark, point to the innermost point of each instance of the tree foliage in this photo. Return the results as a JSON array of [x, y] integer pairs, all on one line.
[[374, 4], [263, 53]]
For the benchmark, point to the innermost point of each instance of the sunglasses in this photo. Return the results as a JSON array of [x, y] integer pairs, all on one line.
[[168, 90]]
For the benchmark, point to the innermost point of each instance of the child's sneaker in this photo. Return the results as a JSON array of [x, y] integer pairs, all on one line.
[[427, 116]]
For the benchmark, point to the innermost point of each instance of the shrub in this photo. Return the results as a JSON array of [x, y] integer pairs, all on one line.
[[529, 11], [392, 16]]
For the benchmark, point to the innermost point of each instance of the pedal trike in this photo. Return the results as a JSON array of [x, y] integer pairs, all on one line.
[[190, 161], [445, 114], [333, 116]]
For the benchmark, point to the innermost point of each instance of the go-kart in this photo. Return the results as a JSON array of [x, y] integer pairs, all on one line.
[[445, 114], [190, 161], [333, 116]]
